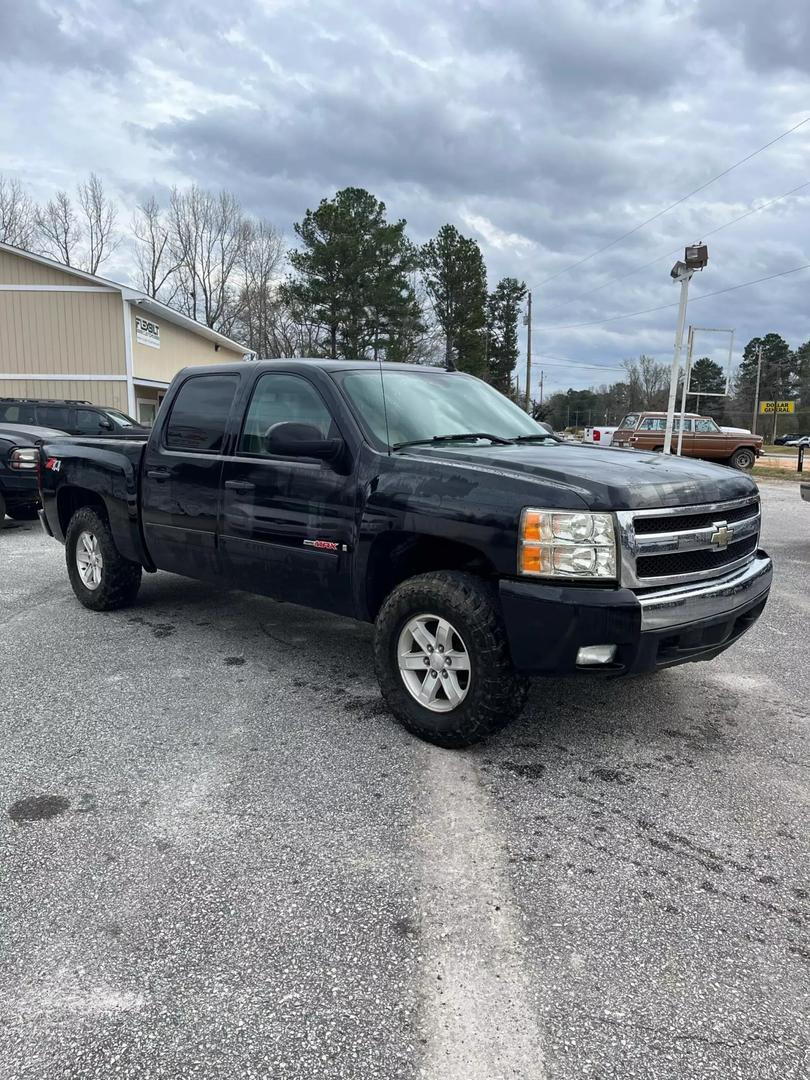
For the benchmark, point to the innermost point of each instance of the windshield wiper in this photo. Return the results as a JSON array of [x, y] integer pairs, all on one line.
[[532, 438], [462, 437]]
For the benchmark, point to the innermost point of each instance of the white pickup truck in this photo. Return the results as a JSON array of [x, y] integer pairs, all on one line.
[[599, 436]]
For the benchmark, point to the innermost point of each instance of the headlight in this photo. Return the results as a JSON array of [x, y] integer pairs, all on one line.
[[565, 545]]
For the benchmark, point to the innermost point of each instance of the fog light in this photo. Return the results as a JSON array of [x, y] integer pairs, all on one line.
[[590, 655]]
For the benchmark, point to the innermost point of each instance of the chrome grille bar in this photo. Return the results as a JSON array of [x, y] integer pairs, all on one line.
[[714, 537]]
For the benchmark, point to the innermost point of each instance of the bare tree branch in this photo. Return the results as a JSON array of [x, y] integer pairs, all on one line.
[[100, 216], [17, 214], [58, 231], [153, 252]]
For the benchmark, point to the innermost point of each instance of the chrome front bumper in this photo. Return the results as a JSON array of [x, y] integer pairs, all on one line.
[[677, 605]]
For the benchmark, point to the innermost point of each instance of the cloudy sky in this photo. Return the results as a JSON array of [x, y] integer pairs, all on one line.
[[543, 128]]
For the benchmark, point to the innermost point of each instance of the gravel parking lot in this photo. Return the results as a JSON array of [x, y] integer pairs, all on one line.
[[245, 868]]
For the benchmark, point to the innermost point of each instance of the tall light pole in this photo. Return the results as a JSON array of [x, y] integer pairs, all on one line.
[[528, 321], [695, 258]]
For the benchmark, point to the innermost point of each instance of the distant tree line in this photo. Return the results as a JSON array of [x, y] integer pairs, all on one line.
[[784, 376], [355, 285]]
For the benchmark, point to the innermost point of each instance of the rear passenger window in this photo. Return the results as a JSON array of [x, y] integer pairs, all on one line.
[[53, 416], [200, 412]]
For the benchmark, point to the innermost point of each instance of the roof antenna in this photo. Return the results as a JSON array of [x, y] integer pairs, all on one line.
[[385, 407]]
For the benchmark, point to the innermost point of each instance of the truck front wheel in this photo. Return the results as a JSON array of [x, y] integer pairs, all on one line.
[[742, 458], [443, 660], [102, 578]]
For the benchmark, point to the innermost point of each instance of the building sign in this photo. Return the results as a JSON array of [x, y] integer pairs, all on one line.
[[147, 332], [777, 406]]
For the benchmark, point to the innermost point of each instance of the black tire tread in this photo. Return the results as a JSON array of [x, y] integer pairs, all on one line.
[[499, 694], [121, 578]]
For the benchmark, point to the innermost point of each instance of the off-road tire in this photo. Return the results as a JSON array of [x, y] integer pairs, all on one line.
[[496, 693], [120, 578], [742, 459], [23, 513]]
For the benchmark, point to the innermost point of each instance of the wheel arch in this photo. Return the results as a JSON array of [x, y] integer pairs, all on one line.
[[398, 555]]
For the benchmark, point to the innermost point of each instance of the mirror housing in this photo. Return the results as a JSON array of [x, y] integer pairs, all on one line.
[[289, 438], [106, 424]]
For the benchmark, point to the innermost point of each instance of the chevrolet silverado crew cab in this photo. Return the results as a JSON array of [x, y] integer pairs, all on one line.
[[483, 549]]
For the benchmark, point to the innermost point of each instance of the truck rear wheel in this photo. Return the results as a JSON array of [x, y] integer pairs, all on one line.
[[743, 458], [442, 659], [102, 578]]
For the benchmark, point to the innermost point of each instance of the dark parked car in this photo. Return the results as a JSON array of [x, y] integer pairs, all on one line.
[[19, 457], [482, 547], [73, 417], [783, 440]]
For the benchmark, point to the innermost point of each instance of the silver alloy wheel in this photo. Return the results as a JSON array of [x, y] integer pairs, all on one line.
[[433, 662], [89, 561]]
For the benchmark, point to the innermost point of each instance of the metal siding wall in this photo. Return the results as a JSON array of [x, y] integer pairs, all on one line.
[[17, 270], [113, 394], [61, 333], [179, 348]]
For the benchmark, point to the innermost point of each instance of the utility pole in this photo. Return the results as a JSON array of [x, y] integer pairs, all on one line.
[[776, 397], [756, 392], [541, 388], [529, 355]]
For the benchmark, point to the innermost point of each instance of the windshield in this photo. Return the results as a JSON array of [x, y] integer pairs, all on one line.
[[424, 405], [119, 418]]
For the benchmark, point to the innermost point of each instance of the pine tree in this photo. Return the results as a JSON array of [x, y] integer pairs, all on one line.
[[351, 276], [503, 313], [456, 281], [779, 375]]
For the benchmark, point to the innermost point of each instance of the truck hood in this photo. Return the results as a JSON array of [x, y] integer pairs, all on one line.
[[605, 478]]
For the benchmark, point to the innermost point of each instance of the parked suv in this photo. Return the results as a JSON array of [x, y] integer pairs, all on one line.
[[702, 438], [73, 417]]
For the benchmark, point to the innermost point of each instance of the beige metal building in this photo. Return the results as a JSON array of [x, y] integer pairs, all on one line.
[[68, 334]]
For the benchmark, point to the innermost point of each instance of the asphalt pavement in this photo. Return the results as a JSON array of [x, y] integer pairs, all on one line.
[[222, 858]]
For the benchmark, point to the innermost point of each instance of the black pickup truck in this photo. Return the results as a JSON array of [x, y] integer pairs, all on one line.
[[483, 549]]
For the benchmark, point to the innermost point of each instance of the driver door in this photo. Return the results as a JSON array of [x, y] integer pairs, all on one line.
[[287, 523]]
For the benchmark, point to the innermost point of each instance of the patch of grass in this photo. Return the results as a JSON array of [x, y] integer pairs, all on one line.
[[764, 473]]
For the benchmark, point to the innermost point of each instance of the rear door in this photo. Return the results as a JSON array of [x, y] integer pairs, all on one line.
[[287, 522], [182, 467], [59, 417]]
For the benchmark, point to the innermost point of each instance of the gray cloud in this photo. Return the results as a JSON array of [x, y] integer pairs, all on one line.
[[543, 130]]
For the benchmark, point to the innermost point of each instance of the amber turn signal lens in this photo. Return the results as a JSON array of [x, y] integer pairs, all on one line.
[[532, 525]]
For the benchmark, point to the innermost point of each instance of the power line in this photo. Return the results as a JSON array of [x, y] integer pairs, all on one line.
[[677, 251], [660, 213], [664, 307]]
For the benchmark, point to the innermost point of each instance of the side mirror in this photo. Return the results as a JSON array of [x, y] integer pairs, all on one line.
[[106, 424], [292, 439]]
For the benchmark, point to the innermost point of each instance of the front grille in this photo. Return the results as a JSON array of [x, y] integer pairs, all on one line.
[[683, 522], [681, 543], [694, 562]]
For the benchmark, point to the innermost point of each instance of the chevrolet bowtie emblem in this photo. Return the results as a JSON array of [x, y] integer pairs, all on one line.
[[722, 536]]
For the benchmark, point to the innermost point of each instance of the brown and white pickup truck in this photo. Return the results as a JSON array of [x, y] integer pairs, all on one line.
[[702, 438]]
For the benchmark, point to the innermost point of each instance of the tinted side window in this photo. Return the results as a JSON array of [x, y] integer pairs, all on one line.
[[54, 416], [17, 414], [88, 422], [277, 398], [200, 412]]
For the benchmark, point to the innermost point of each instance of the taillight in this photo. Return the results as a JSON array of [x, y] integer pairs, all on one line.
[[597, 435], [24, 459]]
